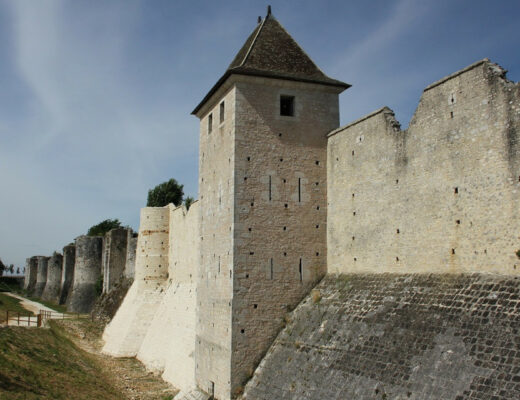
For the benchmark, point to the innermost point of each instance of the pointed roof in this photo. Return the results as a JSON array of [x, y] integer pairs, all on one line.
[[271, 52]]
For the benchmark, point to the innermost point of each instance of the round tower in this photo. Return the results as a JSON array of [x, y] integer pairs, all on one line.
[[67, 274], [41, 276], [52, 287], [87, 272]]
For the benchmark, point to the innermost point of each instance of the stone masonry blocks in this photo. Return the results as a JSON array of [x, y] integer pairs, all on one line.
[[67, 277], [87, 272], [54, 272], [41, 277], [31, 272]]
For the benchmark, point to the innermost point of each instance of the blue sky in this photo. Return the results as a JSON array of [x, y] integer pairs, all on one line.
[[95, 96]]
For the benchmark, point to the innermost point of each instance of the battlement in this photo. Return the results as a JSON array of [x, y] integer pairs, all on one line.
[[437, 197]]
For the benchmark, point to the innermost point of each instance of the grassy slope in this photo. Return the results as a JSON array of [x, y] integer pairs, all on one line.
[[45, 364], [11, 304]]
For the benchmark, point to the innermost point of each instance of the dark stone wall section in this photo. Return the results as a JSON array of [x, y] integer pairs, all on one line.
[[387, 336]]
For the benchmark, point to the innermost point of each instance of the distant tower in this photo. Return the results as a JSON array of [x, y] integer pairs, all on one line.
[[262, 190]]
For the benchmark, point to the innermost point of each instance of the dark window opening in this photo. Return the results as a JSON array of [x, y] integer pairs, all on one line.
[[451, 114], [397, 259], [284, 228], [255, 305], [222, 112], [251, 253], [458, 222], [287, 106], [299, 189], [272, 270], [285, 254], [247, 276], [355, 259], [219, 265], [317, 253], [397, 181], [452, 251], [249, 229], [279, 135], [210, 123], [352, 152], [398, 231], [252, 204], [248, 158], [353, 237], [353, 195], [286, 205], [317, 207], [317, 226], [242, 330], [300, 268], [317, 163], [456, 190]]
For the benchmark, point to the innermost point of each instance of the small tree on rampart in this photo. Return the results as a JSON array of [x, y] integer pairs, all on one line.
[[165, 193]]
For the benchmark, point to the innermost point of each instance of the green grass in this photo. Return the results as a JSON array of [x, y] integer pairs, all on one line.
[[8, 303], [37, 363]]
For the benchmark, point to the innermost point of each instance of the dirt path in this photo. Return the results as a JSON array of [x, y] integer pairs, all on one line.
[[128, 374], [30, 305]]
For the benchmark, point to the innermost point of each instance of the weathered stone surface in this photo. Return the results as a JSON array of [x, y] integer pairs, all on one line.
[[67, 276], [54, 272], [175, 317], [114, 257], [87, 272], [130, 255], [390, 336], [41, 276], [124, 335], [31, 272], [441, 196]]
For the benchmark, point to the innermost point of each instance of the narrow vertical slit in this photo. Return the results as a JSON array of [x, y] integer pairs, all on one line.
[[270, 191], [299, 190], [271, 276], [219, 264], [301, 275]]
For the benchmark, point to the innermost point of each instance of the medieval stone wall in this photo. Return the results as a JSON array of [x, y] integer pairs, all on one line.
[[67, 277], [280, 209], [215, 277], [54, 272], [41, 276], [130, 254], [124, 335], [443, 195], [87, 272], [114, 257], [176, 316], [398, 336], [31, 272]]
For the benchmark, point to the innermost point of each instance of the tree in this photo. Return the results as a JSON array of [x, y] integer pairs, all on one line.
[[11, 269], [2, 267], [103, 227], [188, 202], [165, 193]]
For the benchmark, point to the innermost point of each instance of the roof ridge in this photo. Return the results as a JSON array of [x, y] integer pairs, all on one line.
[[253, 42]]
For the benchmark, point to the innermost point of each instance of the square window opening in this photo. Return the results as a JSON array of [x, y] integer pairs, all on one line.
[[287, 106]]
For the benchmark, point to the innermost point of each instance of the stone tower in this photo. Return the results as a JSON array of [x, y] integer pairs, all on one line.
[[262, 188]]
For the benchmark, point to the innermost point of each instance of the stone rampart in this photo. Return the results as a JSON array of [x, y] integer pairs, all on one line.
[[114, 257], [31, 272], [67, 277], [54, 272], [443, 195], [130, 254], [41, 276], [176, 315], [398, 336], [123, 336], [87, 272]]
